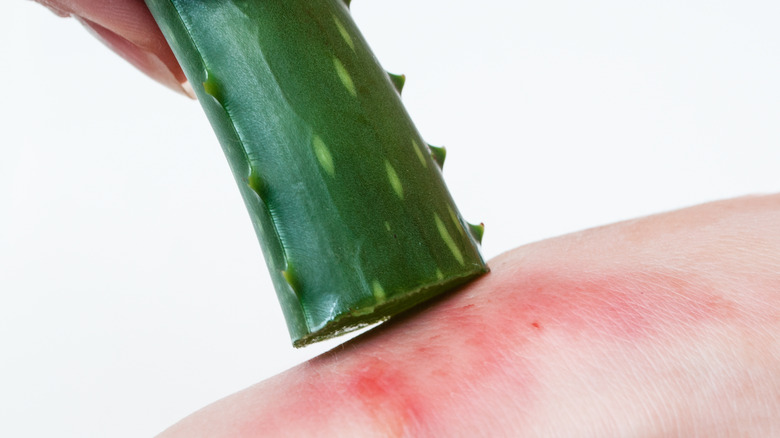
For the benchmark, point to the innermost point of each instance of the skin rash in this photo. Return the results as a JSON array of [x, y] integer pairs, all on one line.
[[661, 326]]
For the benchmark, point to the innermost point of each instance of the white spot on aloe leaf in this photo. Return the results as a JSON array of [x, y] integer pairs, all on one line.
[[456, 221], [418, 150], [323, 155], [445, 235], [344, 32], [395, 182], [346, 79], [379, 291]]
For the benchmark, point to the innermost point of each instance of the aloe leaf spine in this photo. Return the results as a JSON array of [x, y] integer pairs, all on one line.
[[346, 198]]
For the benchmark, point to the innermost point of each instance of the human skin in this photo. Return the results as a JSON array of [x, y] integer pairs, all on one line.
[[662, 326], [127, 28]]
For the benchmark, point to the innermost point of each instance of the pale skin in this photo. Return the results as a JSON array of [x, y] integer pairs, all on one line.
[[667, 325]]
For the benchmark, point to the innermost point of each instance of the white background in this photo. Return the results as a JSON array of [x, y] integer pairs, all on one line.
[[132, 289]]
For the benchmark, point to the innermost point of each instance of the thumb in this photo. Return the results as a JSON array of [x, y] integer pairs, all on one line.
[[127, 28]]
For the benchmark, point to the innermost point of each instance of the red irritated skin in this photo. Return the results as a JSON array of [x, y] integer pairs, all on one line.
[[662, 326]]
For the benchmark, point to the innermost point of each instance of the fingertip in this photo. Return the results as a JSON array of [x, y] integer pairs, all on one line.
[[188, 90], [129, 29], [54, 8], [160, 66]]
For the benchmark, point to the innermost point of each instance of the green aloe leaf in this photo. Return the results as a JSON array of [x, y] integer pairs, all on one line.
[[355, 221]]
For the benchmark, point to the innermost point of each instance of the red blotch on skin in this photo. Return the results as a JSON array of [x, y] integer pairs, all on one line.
[[383, 393], [628, 306], [479, 349], [408, 374]]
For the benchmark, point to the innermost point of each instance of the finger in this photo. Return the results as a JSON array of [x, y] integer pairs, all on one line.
[[128, 28], [663, 326]]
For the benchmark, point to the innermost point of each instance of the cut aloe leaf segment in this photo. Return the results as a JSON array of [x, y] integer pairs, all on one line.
[[348, 201]]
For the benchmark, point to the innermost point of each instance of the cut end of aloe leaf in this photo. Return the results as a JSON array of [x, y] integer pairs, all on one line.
[[384, 310]]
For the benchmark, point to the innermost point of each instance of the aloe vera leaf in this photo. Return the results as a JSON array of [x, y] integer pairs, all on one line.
[[348, 202]]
